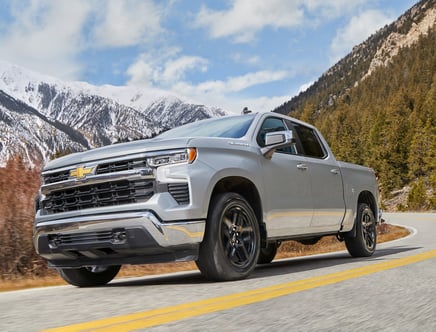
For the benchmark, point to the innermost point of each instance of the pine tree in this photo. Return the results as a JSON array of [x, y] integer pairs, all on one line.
[[417, 198]]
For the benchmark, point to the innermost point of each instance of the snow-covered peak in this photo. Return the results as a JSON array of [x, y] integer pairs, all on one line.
[[56, 115]]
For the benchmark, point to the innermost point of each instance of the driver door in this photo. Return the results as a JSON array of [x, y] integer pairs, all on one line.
[[288, 204]]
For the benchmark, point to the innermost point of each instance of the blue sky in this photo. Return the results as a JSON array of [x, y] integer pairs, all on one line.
[[230, 54]]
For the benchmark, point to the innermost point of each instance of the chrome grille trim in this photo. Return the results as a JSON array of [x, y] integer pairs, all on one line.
[[146, 173], [121, 165]]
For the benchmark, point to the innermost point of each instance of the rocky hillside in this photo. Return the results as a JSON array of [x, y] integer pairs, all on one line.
[[378, 50], [41, 115], [377, 107]]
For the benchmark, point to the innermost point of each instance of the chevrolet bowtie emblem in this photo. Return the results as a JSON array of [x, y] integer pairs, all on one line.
[[80, 172]]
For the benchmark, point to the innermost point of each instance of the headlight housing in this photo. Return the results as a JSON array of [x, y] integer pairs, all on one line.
[[173, 157]]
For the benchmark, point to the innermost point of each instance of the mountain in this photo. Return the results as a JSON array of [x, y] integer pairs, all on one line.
[[378, 50], [377, 107], [41, 115]]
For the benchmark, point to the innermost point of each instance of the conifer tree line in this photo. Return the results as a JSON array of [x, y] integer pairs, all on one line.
[[387, 121]]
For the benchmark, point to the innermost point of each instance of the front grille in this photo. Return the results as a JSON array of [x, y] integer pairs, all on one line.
[[180, 192], [56, 177], [123, 165], [98, 195], [104, 168]]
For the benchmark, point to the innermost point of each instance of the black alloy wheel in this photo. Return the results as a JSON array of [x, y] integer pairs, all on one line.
[[230, 249], [364, 243]]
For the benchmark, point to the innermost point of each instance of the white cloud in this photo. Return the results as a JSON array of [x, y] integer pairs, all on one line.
[[123, 23], [224, 93], [305, 86], [49, 36], [175, 70], [45, 36], [232, 84], [250, 60], [331, 9], [259, 104], [141, 73], [246, 17], [356, 31], [165, 69]]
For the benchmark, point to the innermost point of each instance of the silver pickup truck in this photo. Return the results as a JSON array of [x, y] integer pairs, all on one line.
[[224, 192]]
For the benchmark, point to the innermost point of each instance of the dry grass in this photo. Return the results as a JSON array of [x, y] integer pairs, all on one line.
[[288, 249]]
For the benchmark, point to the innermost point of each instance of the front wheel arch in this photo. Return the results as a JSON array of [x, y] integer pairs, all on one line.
[[248, 190]]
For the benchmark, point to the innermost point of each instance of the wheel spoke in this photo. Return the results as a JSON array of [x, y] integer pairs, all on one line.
[[370, 239], [247, 229], [368, 230], [237, 236], [227, 222], [235, 217], [232, 253], [244, 256]]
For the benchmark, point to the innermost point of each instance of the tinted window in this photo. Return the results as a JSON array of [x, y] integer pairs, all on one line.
[[227, 126], [275, 124], [268, 126], [310, 142]]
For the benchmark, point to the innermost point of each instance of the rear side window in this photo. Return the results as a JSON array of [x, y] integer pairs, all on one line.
[[310, 141]]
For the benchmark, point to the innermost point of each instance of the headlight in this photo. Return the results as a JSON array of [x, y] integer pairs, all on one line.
[[173, 157]]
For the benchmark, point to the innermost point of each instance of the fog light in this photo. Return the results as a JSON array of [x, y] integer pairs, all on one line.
[[119, 237]]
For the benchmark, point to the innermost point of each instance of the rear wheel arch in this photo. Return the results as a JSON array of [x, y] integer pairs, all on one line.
[[365, 197], [364, 241], [368, 198]]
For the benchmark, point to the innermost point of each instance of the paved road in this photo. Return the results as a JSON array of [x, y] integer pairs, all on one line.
[[391, 291]]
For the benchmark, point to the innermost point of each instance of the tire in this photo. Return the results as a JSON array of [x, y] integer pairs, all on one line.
[[364, 243], [89, 276], [266, 255], [230, 248]]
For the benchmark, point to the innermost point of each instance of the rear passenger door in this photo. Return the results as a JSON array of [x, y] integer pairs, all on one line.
[[325, 181]]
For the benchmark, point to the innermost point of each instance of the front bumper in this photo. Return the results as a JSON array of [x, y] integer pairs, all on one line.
[[117, 238]]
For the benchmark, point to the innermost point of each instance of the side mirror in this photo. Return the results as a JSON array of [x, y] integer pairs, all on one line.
[[276, 140]]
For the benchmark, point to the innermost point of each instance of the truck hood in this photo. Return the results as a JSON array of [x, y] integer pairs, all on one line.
[[117, 150]]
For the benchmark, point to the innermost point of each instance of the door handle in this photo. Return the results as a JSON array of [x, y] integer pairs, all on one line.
[[303, 167], [334, 171]]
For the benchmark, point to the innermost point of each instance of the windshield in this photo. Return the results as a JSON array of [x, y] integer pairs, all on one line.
[[227, 126]]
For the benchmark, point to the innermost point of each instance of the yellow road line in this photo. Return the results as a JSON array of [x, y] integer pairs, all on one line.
[[165, 315]]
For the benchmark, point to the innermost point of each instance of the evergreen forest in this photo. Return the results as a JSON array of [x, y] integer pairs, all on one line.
[[386, 121]]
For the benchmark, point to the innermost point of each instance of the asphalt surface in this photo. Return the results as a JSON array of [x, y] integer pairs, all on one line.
[[391, 291]]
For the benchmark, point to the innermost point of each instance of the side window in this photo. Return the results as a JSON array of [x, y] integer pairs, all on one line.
[[310, 142], [268, 126], [271, 125]]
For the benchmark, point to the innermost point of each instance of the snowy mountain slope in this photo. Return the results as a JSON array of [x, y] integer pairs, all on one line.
[[78, 115], [178, 112], [26, 133]]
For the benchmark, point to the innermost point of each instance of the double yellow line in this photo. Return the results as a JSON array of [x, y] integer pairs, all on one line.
[[142, 320]]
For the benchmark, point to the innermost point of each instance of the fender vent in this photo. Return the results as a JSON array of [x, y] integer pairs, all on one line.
[[180, 192]]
